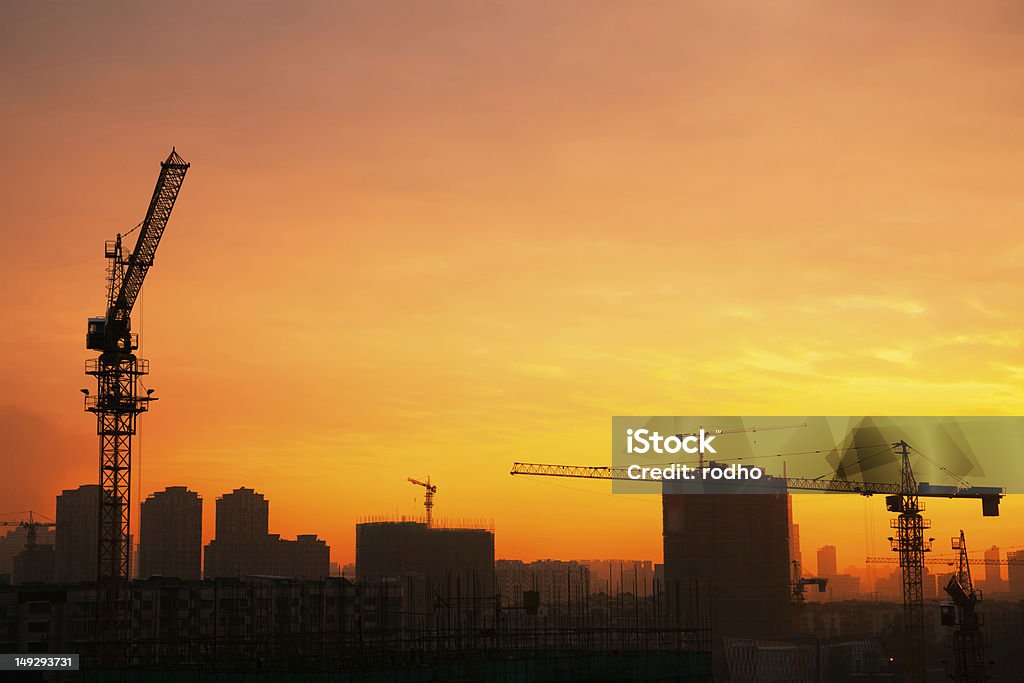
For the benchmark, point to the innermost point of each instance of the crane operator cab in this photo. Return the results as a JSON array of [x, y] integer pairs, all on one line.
[[96, 333]]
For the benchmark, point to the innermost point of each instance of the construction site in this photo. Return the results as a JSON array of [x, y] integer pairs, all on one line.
[[736, 540], [425, 603], [423, 606], [521, 342]]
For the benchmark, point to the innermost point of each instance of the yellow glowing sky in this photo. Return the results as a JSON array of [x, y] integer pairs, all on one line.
[[434, 238]]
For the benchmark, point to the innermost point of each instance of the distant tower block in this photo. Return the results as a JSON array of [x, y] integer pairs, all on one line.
[[75, 543], [993, 571], [243, 546], [242, 514], [827, 562], [171, 534]]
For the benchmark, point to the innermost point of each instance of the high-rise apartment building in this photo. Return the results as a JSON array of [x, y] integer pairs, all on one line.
[[244, 547], [242, 514], [171, 534], [1015, 573], [994, 581], [827, 564], [76, 537]]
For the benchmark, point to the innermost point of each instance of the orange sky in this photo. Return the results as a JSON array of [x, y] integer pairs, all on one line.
[[434, 238]]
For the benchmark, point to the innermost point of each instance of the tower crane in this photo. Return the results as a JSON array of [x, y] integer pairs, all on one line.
[[428, 497], [31, 526], [901, 497], [968, 641], [117, 402]]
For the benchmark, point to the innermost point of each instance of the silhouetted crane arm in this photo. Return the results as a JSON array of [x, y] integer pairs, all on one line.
[[864, 488], [425, 484], [137, 265], [621, 474], [572, 471], [950, 561], [991, 495]]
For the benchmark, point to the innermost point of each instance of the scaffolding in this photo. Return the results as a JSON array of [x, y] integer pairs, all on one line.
[[395, 628]]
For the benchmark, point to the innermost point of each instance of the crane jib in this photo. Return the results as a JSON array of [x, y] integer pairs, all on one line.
[[989, 496], [172, 175]]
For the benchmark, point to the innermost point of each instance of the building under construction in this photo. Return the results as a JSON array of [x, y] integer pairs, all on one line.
[[739, 545], [462, 555]]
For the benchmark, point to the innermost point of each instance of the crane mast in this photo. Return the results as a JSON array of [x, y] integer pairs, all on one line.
[[911, 545], [117, 402]]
